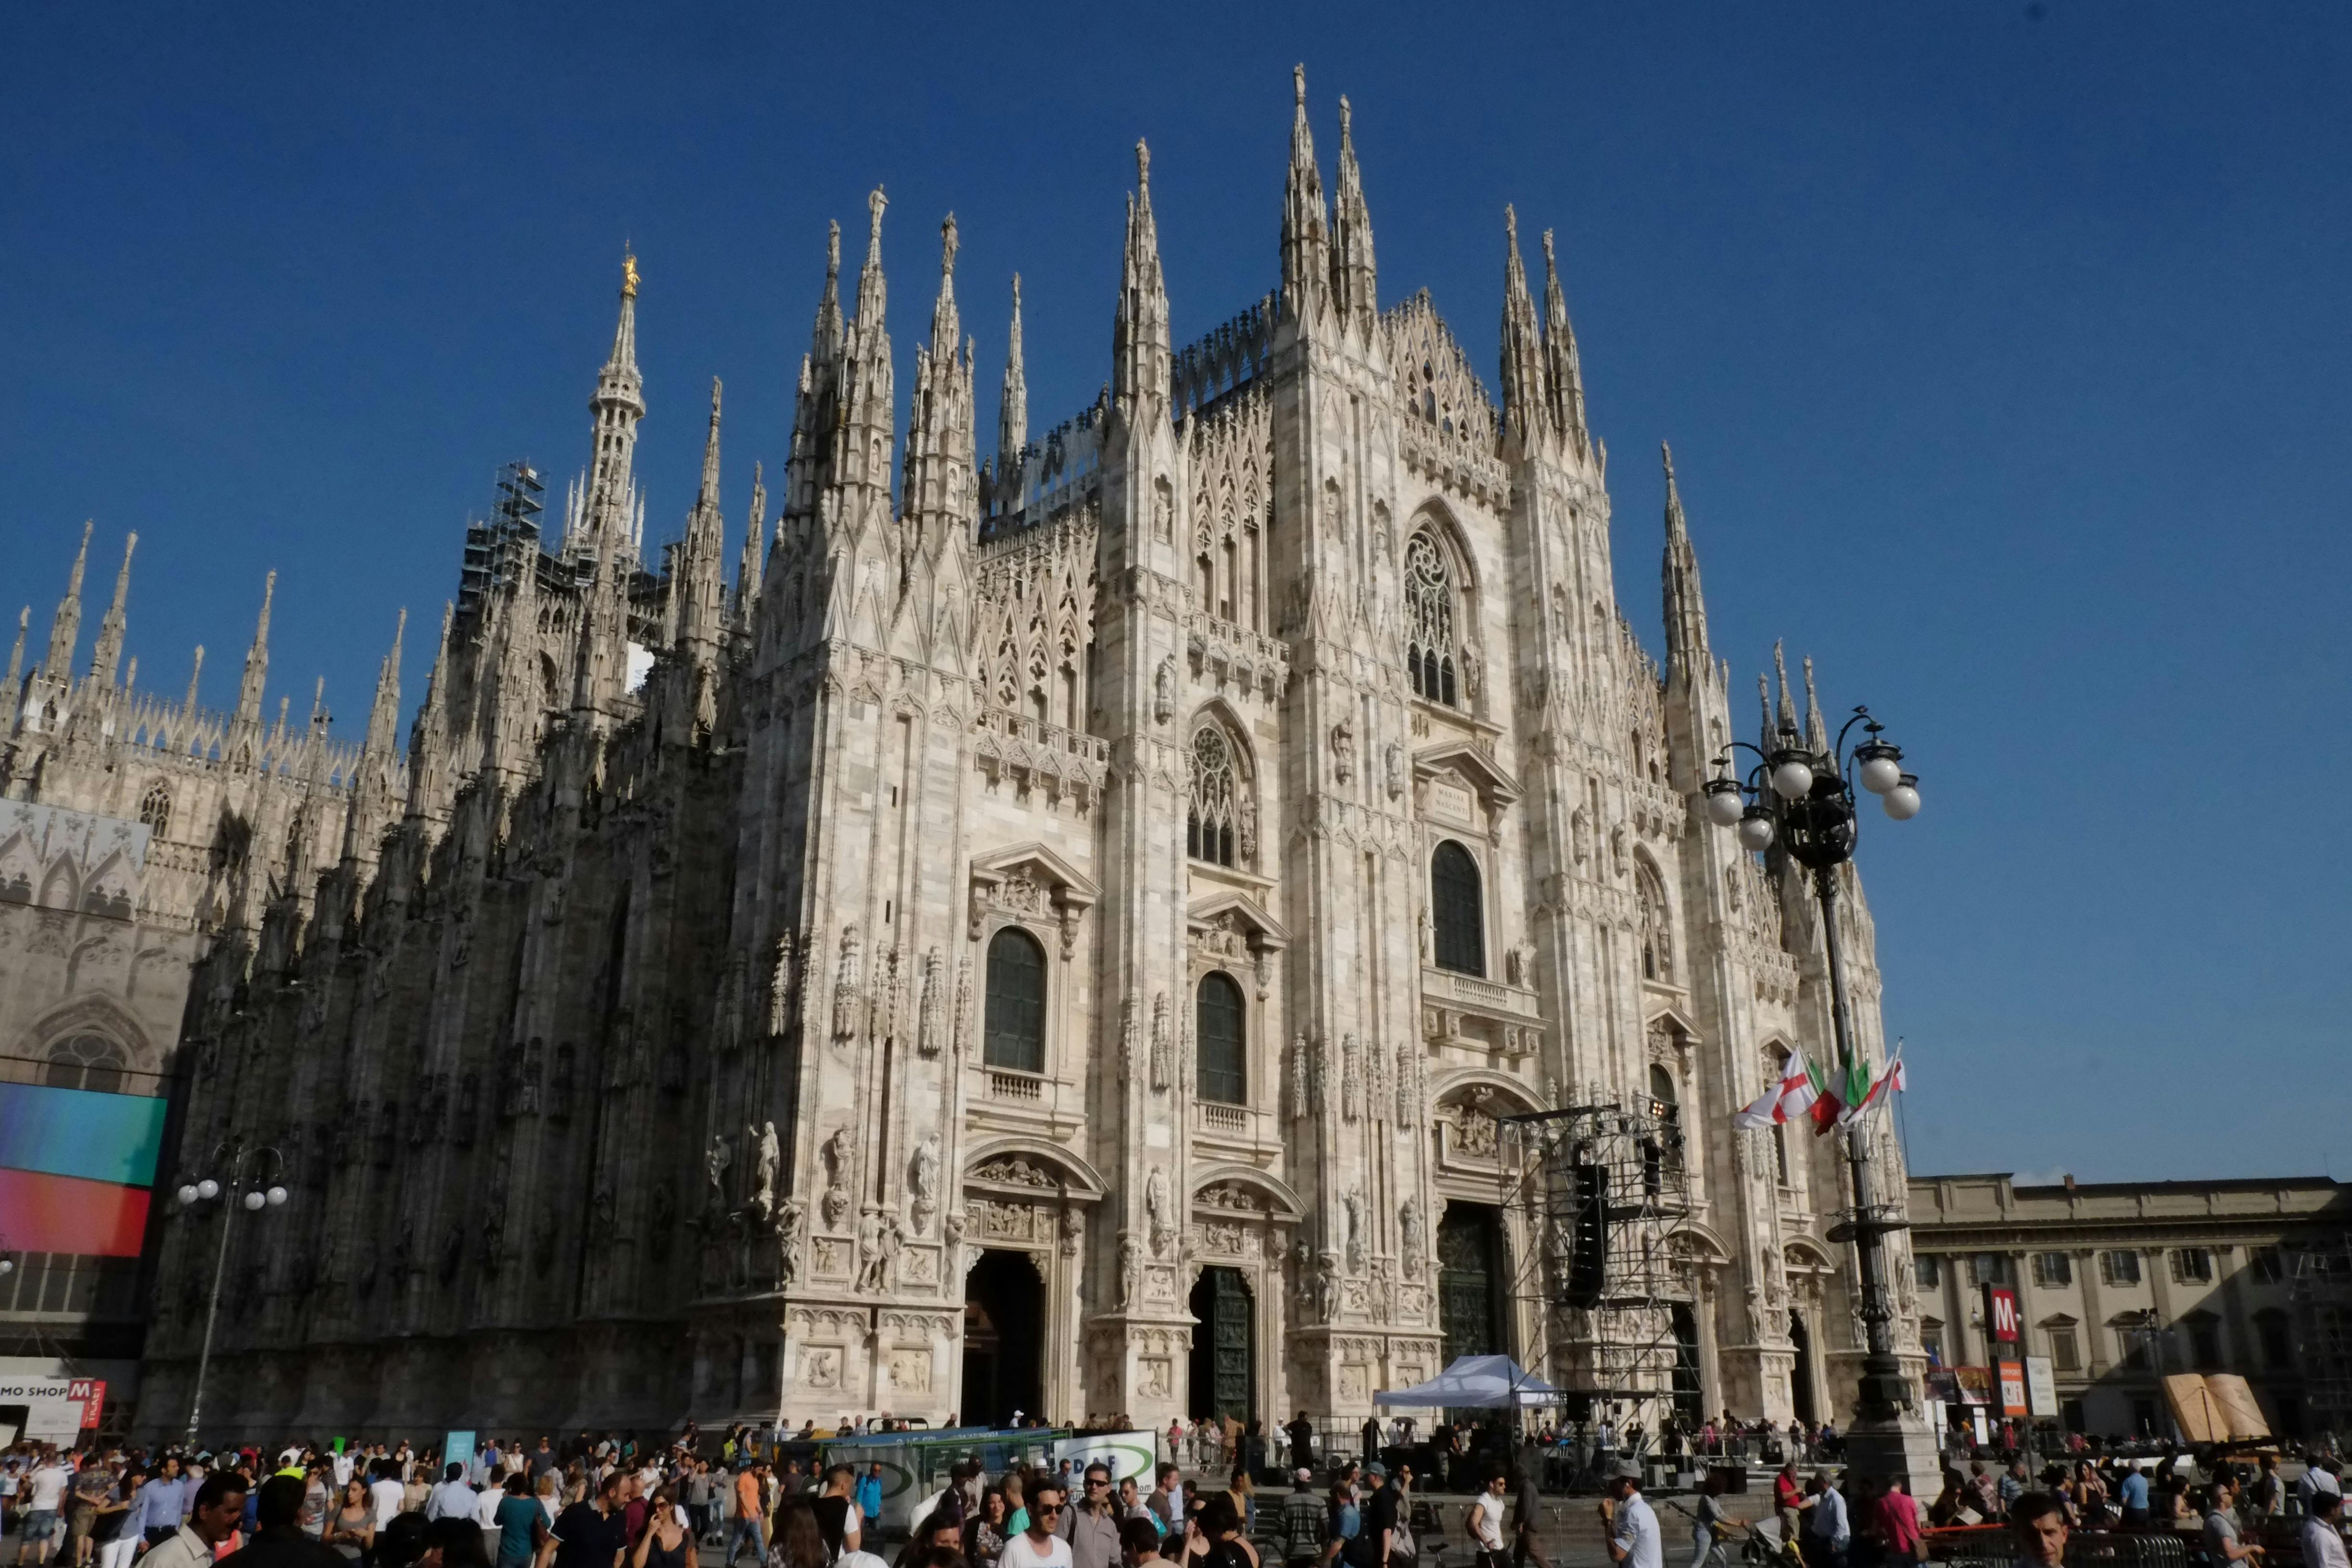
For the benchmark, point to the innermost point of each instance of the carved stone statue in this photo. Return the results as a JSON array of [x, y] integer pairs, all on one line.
[[1129, 1270], [768, 1158], [1343, 751], [923, 1182], [1301, 1080], [715, 1162], [930, 1027], [1408, 1086], [1408, 1232], [1327, 1288], [1163, 690], [845, 994], [951, 1233], [1156, 1211], [835, 1153], [872, 1257], [790, 1220], [1355, 1205], [1351, 1079], [1163, 1067]]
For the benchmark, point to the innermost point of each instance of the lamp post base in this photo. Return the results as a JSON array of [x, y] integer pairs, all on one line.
[[1897, 1448]]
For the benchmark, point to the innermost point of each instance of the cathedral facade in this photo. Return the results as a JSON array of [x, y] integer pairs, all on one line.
[[1078, 933]]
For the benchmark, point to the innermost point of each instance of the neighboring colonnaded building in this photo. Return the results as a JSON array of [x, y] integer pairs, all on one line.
[[1067, 937]]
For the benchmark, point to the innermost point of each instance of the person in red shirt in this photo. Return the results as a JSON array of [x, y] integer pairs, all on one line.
[[1894, 1521], [1789, 1500]]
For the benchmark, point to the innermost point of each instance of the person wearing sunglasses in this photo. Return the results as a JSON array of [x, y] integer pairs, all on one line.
[[1041, 1544]]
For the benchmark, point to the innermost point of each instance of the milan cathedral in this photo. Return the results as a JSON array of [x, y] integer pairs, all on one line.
[[1076, 931]]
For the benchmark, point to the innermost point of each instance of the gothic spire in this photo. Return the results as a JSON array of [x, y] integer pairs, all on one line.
[[873, 294], [1817, 729], [1306, 257], [1013, 417], [936, 494], [109, 653], [196, 674], [703, 565], [825, 335], [1786, 716], [754, 559], [65, 631], [617, 405], [1139, 345], [1685, 605], [1523, 375], [428, 734], [17, 654], [383, 716], [1353, 275], [1563, 369], [257, 660]]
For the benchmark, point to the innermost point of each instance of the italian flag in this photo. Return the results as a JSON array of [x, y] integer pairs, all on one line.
[[1893, 1080], [1791, 1097]]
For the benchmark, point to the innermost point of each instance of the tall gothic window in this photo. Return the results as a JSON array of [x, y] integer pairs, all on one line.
[[1209, 826], [1016, 1033], [1657, 938], [155, 809], [1218, 1033], [1457, 910], [1429, 619], [87, 1061]]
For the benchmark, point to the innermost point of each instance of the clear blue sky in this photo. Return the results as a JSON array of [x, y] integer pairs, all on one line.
[[2003, 349]]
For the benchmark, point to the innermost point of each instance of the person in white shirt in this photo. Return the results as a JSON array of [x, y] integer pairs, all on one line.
[[1041, 1545], [47, 1489], [1634, 1540], [2323, 1533], [2318, 1476], [1482, 1521], [386, 1492], [452, 1499]]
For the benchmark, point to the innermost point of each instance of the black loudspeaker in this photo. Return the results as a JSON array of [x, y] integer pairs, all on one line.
[[1588, 1264]]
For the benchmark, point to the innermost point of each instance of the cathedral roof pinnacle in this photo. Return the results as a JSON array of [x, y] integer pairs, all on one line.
[[1685, 605], [16, 657], [110, 630], [1013, 419], [65, 631], [871, 294]]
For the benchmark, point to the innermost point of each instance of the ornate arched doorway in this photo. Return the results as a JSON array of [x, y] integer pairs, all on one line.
[[1003, 1337], [1800, 1380], [1470, 1281], [1224, 1375]]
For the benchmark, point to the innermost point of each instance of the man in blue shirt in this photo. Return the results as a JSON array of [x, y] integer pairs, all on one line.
[[163, 1502], [2133, 1496], [869, 1501], [1830, 1534]]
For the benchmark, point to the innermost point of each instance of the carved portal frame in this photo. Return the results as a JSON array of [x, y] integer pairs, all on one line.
[[1026, 1196], [1243, 1219]]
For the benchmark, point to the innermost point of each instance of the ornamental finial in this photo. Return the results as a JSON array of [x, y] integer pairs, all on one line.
[[629, 277]]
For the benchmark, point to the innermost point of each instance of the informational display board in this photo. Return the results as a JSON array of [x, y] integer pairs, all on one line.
[[2013, 1388], [56, 1409], [2040, 1388]]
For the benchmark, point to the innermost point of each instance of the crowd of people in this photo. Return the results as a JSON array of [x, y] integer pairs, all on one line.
[[608, 1503]]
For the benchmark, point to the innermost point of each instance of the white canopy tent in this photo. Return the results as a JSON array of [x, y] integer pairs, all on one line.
[[1475, 1383]]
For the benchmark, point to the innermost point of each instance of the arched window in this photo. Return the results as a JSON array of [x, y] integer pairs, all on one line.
[[1016, 1034], [87, 1061], [1657, 937], [155, 809], [1209, 825], [1457, 910], [1429, 619], [1218, 1030], [1662, 1090]]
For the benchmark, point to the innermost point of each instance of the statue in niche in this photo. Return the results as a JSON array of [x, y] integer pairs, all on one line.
[[1163, 690], [1163, 1064], [1355, 1202], [1129, 1270], [923, 1182], [1409, 1229], [835, 1153], [1393, 765], [715, 1162], [873, 1261], [1343, 751], [1155, 1211], [789, 1220], [768, 1157]]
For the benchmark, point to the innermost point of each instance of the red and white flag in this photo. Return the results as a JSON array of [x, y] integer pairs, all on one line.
[[1782, 1102]]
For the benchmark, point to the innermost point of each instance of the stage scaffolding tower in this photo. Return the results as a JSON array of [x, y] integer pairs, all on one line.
[[1599, 1189]]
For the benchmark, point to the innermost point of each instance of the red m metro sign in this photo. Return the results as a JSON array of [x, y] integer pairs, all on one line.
[[2000, 1313]]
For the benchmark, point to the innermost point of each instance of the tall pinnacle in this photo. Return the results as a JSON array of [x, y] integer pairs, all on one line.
[[1523, 366], [754, 560], [109, 653], [1353, 274], [1139, 345], [824, 337], [1685, 605], [1817, 729], [16, 655], [257, 659], [1012, 418], [65, 631], [873, 297], [1306, 257], [1562, 367], [947, 327], [383, 716], [709, 491], [704, 566]]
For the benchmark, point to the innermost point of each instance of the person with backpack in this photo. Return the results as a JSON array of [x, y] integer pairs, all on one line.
[[1302, 1520]]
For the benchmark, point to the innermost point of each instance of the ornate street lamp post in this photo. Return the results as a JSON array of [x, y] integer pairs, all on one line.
[[256, 1174], [1804, 801]]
